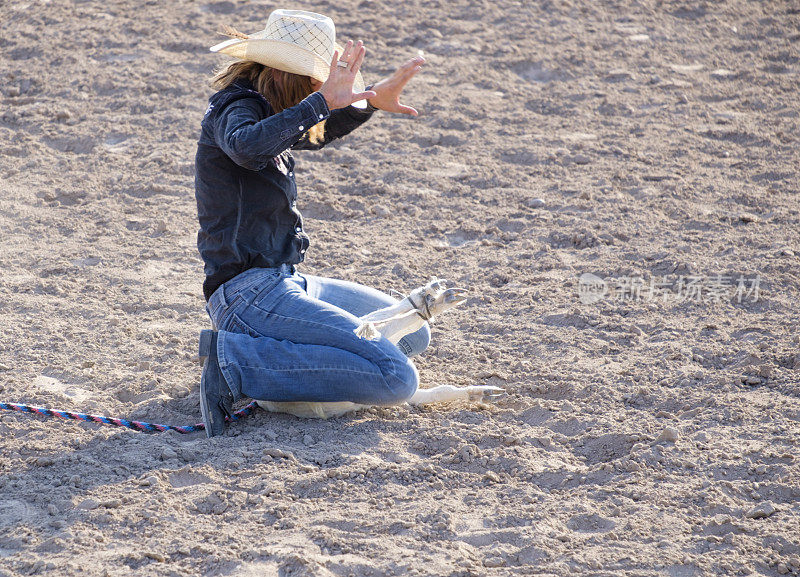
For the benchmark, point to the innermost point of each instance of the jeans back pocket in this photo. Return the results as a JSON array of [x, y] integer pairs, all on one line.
[[234, 324]]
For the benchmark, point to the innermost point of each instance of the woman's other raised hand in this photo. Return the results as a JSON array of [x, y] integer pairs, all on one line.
[[387, 91]]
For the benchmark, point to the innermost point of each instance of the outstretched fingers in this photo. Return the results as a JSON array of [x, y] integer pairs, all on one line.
[[403, 109], [401, 77], [360, 52], [414, 62], [411, 67], [347, 50], [334, 62], [409, 73]]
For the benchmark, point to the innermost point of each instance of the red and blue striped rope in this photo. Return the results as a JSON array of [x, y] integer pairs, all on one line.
[[135, 425]]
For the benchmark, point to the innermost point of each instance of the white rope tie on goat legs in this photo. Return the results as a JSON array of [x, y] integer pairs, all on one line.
[[370, 329]]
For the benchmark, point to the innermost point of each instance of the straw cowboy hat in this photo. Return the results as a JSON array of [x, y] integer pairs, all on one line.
[[293, 41]]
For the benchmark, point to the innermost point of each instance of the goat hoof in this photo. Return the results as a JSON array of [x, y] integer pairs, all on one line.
[[434, 298], [492, 396], [486, 393], [455, 295]]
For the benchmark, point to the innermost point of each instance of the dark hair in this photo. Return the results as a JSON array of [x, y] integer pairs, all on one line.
[[281, 89]]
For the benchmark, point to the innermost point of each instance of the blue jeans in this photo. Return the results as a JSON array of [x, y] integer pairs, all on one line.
[[286, 336]]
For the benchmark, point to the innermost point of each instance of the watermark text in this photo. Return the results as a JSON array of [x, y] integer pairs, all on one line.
[[670, 288]]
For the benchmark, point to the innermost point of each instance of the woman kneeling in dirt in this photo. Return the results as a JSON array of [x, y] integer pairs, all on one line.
[[282, 335]]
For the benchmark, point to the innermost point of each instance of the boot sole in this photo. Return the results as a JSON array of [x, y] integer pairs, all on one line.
[[205, 410]]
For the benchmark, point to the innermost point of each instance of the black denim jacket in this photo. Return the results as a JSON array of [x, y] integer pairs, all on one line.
[[244, 179]]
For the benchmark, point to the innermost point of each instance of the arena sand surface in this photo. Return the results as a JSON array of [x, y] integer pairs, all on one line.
[[641, 435]]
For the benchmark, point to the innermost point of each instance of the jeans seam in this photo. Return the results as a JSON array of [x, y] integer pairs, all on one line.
[[326, 327], [310, 369], [223, 366]]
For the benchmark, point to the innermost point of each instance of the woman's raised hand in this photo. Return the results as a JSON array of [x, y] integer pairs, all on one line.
[[387, 91], [338, 88]]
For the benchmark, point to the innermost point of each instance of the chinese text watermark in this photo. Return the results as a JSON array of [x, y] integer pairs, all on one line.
[[681, 288]]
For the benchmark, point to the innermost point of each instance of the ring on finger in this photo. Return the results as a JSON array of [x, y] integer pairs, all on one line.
[[342, 63]]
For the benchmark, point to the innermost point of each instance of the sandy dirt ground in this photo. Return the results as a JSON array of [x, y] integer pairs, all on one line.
[[615, 182]]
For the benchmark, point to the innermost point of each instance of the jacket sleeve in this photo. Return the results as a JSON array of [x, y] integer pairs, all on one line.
[[342, 121], [251, 140]]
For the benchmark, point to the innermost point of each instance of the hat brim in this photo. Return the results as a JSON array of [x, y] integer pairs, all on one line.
[[284, 56]]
